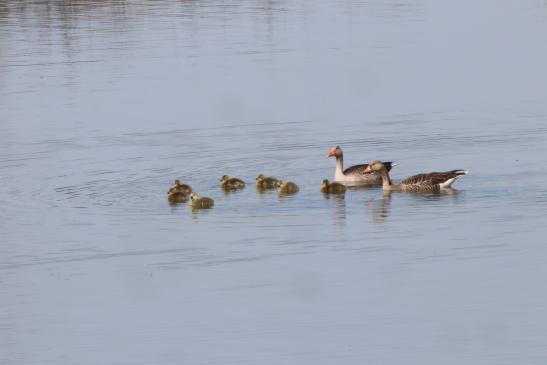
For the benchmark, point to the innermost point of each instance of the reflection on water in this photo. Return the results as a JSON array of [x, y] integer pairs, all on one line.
[[196, 211], [104, 103], [338, 207], [379, 207]]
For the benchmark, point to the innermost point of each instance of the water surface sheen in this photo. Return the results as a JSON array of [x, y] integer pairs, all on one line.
[[104, 103]]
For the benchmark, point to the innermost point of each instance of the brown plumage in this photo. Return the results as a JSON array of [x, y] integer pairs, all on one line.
[[233, 183], [432, 181], [332, 187], [287, 188], [201, 203], [177, 197], [263, 182], [181, 188]]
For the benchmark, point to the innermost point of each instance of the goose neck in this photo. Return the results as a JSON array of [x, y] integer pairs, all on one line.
[[340, 165], [386, 181]]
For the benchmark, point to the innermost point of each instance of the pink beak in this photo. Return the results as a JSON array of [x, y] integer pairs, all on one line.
[[366, 170], [332, 152]]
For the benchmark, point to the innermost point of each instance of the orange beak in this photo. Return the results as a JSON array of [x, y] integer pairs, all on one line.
[[332, 152], [366, 170]]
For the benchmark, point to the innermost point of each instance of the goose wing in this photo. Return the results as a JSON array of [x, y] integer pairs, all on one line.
[[355, 169], [432, 178]]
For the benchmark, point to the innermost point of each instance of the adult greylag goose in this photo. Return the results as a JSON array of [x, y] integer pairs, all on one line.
[[428, 182], [354, 175], [332, 187], [233, 183]]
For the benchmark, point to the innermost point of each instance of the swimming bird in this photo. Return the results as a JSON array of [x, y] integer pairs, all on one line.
[[201, 203], [287, 187], [428, 182], [332, 187], [181, 188], [233, 183], [263, 182], [353, 175], [177, 197]]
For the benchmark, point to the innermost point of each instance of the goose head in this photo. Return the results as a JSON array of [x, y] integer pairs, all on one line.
[[374, 166], [334, 151]]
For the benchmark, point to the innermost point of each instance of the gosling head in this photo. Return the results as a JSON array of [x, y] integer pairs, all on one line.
[[280, 183], [260, 177], [194, 196], [334, 151], [374, 166], [177, 182], [224, 178], [325, 184]]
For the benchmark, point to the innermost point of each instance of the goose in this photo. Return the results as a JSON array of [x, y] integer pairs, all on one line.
[[233, 183], [201, 203], [263, 182], [177, 197], [287, 187], [354, 175], [332, 187], [181, 188], [428, 182]]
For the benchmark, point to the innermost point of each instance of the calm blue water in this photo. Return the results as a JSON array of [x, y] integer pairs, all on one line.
[[103, 104]]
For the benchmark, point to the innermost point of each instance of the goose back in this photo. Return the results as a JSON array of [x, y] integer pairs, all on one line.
[[430, 181]]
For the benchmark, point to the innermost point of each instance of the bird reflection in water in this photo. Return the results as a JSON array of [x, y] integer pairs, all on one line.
[[197, 212], [339, 207], [232, 192], [441, 194], [380, 208]]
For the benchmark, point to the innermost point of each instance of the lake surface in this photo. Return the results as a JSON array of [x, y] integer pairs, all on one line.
[[104, 103]]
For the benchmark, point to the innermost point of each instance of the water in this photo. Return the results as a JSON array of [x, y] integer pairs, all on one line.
[[104, 104]]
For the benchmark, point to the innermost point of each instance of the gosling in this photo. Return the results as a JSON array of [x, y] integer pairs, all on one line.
[[263, 182], [181, 188], [332, 187], [233, 183], [287, 187], [177, 197], [201, 203]]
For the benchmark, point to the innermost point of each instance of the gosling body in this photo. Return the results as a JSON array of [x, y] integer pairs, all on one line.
[[263, 182], [201, 203], [332, 187], [233, 183], [287, 187], [180, 188], [177, 197]]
